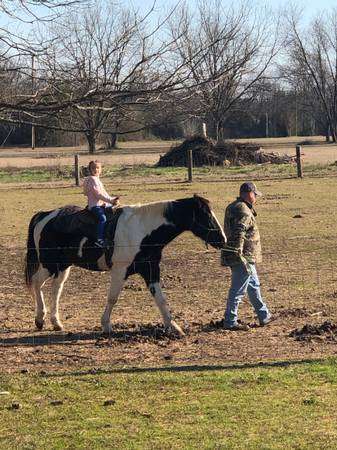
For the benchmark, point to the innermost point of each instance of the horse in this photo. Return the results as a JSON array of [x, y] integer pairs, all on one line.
[[135, 241]]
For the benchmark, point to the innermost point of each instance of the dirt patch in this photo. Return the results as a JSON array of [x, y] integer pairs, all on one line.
[[325, 331], [146, 152]]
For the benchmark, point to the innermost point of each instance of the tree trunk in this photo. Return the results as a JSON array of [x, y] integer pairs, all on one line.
[[327, 134], [91, 138], [333, 128], [217, 131], [112, 142]]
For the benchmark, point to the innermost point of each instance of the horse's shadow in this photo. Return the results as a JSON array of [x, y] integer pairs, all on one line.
[[122, 334]]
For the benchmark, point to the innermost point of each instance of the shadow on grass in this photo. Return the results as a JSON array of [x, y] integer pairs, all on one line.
[[188, 368]]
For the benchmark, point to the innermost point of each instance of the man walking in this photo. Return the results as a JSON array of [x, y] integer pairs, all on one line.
[[242, 252]]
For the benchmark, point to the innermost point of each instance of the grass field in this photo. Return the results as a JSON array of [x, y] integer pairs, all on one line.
[[272, 407], [163, 392]]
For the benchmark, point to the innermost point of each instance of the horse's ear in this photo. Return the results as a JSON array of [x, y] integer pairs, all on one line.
[[201, 201], [197, 199]]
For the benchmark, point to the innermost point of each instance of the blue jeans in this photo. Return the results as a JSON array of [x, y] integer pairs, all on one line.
[[244, 282], [100, 214]]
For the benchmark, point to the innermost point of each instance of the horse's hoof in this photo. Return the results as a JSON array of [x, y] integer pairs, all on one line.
[[39, 323], [175, 330], [107, 330], [58, 327]]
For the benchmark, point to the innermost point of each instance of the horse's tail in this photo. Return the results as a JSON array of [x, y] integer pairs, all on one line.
[[32, 258]]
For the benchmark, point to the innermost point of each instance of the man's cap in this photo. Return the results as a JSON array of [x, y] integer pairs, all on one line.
[[248, 186]]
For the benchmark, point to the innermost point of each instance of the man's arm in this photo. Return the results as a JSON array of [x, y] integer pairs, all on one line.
[[232, 253], [240, 224]]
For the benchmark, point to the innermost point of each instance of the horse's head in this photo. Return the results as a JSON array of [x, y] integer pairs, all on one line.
[[204, 223]]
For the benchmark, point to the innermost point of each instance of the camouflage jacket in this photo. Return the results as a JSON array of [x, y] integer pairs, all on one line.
[[243, 237]]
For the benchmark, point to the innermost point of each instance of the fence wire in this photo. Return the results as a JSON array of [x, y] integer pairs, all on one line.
[[299, 286]]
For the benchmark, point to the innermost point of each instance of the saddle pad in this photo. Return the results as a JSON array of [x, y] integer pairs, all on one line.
[[73, 219]]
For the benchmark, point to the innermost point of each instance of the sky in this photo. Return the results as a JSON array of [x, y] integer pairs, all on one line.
[[310, 7]]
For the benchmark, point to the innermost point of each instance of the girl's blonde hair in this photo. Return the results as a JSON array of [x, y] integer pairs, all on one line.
[[92, 166]]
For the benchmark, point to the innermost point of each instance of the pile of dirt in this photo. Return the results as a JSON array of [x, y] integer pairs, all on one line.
[[206, 153], [133, 332], [294, 312], [327, 330]]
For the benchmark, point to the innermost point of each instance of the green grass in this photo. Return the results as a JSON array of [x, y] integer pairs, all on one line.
[[143, 170], [207, 172], [268, 407], [14, 175], [58, 173]]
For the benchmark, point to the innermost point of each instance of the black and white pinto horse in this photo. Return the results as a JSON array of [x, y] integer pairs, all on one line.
[[141, 233]]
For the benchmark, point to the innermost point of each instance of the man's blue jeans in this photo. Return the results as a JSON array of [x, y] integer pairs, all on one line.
[[100, 214], [244, 282]]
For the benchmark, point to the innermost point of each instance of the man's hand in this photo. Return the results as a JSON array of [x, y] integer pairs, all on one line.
[[231, 256]]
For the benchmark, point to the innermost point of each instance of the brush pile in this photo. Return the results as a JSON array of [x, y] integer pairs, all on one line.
[[227, 153]]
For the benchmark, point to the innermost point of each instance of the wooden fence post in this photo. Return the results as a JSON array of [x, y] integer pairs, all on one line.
[[204, 130], [77, 171], [299, 162], [33, 137], [190, 165]]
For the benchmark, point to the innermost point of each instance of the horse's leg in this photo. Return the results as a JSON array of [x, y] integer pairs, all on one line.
[[161, 302], [38, 280], [151, 275], [56, 291], [116, 285]]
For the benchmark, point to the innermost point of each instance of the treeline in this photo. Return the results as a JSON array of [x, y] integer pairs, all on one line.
[[95, 72], [281, 113]]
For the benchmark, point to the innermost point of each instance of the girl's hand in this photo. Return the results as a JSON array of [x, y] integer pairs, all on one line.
[[116, 202]]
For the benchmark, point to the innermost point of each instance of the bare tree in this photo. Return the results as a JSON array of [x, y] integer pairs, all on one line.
[[109, 66], [18, 47], [101, 68], [240, 46], [21, 15], [312, 65], [86, 66]]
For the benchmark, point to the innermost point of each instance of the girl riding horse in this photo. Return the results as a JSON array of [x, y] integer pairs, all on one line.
[[141, 234], [98, 198]]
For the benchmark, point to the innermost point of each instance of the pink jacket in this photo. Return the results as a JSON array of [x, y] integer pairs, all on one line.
[[97, 196]]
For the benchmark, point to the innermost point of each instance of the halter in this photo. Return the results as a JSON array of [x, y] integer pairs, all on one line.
[[197, 224]]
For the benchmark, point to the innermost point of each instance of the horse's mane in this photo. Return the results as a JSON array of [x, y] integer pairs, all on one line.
[[202, 200], [160, 206], [140, 208]]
